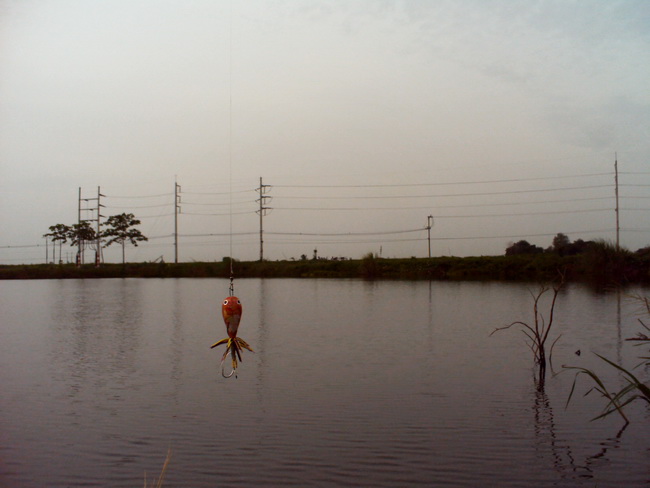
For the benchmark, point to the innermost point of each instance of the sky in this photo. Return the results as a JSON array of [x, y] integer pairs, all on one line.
[[501, 120]]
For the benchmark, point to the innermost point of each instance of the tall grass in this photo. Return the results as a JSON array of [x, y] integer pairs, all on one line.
[[634, 388], [369, 267], [604, 262], [157, 483]]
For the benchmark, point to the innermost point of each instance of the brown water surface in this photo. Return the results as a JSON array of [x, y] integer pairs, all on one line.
[[352, 384]]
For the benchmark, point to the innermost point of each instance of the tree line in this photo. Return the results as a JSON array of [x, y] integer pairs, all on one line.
[[561, 246], [116, 229]]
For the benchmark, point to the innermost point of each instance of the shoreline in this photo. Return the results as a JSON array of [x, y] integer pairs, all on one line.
[[629, 269]]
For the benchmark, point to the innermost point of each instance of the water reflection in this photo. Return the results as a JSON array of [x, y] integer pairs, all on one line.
[[548, 444], [260, 347], [352, 384], [559, 451], [98, 334]]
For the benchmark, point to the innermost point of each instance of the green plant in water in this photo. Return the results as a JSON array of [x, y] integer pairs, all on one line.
[[538, 331], [635, 389]]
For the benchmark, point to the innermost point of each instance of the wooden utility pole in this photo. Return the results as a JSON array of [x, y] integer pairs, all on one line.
[[429, 225], [177, 210], [262, 212], [618, 244], [79, 243]]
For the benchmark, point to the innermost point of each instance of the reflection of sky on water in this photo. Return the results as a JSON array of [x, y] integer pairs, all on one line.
[[351, 383]]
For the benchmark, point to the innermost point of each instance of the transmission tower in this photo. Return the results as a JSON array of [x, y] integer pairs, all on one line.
[[262, 211]]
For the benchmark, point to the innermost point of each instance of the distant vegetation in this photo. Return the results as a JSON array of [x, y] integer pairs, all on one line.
[[597, 262], [601, 265], [117, 229]]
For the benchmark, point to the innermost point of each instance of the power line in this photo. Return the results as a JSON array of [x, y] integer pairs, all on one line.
[[457, 238], [405, 185], [25, 246], [225, 204], [519, 214], [344, 233], [438, 207], [140, 196], [219, 234], [384, 197], [218, 214], [216, 193], [139, 206], [519, 236], [155, 216]]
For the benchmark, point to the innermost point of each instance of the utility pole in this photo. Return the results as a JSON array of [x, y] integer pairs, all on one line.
[[618, 248], [177, 210], [429, 225], [81, 243], [79, 259], [98, 256], [262, 212]]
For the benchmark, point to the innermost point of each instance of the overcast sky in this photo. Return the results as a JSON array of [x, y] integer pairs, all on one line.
[[500, 119]]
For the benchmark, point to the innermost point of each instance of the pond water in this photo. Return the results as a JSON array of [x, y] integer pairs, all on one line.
[[352, 383]]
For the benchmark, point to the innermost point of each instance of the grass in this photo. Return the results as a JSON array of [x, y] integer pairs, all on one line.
[[538, 332], [634, 388], [601, 266], [157, 483]]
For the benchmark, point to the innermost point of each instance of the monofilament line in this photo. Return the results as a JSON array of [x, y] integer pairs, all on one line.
[[232, 291]]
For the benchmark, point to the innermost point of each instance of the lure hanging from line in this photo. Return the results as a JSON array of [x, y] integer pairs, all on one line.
[[231, 310]]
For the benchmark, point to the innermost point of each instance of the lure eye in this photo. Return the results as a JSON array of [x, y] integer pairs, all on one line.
[[238, 302], [225, 302]]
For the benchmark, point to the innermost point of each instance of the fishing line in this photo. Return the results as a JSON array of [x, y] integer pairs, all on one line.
[[231, 289], [231, 307]]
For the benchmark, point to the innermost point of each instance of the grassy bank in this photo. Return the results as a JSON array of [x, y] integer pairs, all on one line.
[[603, 267]]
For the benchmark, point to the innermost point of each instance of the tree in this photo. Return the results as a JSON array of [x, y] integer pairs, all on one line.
[[560, 243], [77, 234], [80, 234], [61, 233], [523, 247], [121, 229]]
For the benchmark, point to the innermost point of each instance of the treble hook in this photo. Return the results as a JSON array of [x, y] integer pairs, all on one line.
[[223, 373]]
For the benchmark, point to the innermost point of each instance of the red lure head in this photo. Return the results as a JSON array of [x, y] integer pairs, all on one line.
[[231, 310]]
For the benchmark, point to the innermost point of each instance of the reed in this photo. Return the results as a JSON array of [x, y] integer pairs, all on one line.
[[538, 332], [157, 483]]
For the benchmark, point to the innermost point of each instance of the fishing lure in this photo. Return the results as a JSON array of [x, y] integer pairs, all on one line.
[[231, 310]]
